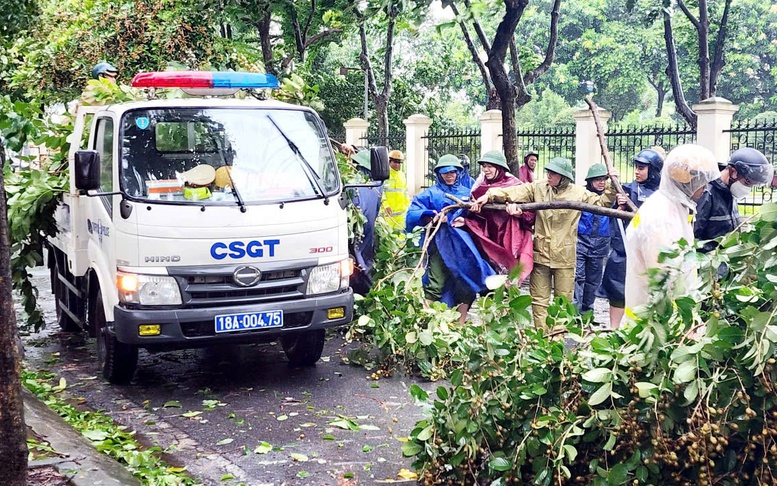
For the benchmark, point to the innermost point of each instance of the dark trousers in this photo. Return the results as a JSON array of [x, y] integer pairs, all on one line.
[[588, 276]]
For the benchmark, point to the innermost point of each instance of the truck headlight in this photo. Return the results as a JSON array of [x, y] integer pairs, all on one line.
[[329, 278], [147, 289]]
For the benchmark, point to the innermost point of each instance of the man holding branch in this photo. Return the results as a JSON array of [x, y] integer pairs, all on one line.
[[555, 233]]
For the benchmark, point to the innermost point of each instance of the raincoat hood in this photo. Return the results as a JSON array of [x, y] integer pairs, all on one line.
[[687, 168]]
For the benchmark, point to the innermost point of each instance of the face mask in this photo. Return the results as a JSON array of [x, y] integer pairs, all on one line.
[[739, 190]]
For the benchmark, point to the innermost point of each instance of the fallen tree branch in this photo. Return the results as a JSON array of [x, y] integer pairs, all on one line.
[[606, 152], [548, 205]]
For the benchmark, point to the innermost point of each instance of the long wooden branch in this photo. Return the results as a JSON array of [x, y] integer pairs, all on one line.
[[689, 14], [550, 205], [606, 152], [364, 58], [392, 18]]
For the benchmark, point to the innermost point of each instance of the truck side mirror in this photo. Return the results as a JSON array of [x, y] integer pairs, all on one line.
[[87, 170], [379, 166]]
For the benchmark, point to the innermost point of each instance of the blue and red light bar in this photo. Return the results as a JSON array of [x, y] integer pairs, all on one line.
[[204, 79]]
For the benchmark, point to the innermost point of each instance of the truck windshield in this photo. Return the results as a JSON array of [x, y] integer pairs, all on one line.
[[225, 155]]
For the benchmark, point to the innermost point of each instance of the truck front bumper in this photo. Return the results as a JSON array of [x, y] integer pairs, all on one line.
[[191, 328]]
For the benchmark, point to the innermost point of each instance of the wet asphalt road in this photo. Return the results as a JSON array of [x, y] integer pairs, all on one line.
[[216, 410]]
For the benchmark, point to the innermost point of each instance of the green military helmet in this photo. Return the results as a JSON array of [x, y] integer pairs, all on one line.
[[362, 158], [448, 160], [596, 170], [494, 157], [562, 166]]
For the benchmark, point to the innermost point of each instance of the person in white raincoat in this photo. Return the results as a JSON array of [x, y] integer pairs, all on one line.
[[665, 218]]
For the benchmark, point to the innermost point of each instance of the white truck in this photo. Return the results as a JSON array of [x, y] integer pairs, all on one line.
[[199, 221]]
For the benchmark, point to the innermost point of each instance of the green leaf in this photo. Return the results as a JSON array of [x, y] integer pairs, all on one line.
[[299, 457], [442, 393], [263, 448], [499, 464], [95, 435], [600, 395], [227, 476], [597, 375], [410, 449], [571, 452], [418, 393], [172, 404], [303, 474], [686, 372], [618, 475], [224, 441], [645, 388], [425, 434]]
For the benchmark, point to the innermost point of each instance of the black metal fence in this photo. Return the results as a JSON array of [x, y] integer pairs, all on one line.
[[451, 141], [548, 143], [760, 135], [625, 142], [392, 142]]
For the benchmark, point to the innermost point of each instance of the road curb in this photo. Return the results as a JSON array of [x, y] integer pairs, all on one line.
[[82, 463]]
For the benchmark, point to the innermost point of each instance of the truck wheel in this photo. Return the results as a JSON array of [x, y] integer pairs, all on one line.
[[117, 360], [62, 297], [304, 348]]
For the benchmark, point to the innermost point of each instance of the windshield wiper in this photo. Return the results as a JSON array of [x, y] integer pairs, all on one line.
[[238, 197], [313, 180]]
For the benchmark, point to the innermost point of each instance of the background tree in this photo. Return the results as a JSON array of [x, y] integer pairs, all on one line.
[[512, 89], [13, 433], [710, 45]]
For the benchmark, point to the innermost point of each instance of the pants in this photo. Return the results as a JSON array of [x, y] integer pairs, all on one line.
[[588, 276], [439, 276], [542, 277]]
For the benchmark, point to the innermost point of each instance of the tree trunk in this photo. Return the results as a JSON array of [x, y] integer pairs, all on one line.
[[492, 97], [502, 83], [720, 42], [13, 433], [263, 28], [381, 111], [673, 72], [660, 104]]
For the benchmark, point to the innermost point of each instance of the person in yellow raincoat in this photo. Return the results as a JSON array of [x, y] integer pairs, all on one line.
[[395, 199], [555, 230]]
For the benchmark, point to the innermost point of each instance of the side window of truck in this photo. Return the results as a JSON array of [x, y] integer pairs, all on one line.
[[104, 146]]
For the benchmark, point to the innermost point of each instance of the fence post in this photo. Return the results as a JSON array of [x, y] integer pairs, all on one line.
[[490, 131], [356, 131], [417, 126], [714, 117], [587, 149]]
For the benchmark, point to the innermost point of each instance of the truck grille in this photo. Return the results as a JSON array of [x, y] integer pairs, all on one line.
[[218, 288]]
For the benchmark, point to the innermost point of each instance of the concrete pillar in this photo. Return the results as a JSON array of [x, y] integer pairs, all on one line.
[[715, 116], [356, 132], [490, 131], [587, 149], [417, 126]]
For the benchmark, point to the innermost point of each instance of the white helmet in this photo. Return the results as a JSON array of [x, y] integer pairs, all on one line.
[[686, 169]]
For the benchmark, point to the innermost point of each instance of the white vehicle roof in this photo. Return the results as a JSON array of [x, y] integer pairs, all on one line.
[[120, 108]]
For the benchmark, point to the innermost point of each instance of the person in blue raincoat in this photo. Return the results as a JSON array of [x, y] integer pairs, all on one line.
[[593, 244], [456, 272], [368, 200], [647, 176]]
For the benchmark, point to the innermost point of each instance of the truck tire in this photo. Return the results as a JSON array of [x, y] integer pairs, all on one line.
[[117, 360], [304, 348], [62, 297]]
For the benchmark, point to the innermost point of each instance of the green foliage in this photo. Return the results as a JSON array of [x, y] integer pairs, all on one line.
[[53, 61], [295, 90], [684, 394], [106, 436], [398, 329], [32, 194]]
